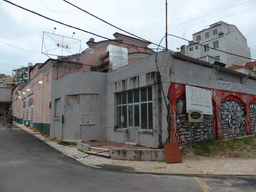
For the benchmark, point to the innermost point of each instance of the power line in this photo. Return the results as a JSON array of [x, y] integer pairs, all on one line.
[[151, 42], [208, 14], [212, 47], [19, 48], [58, 21], [56, 11], [110, 23], [38, 14], [112, 39]]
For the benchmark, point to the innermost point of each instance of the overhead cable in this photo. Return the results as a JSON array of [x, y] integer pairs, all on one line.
[[212, 48], [56, 11], [209, 14], [110, 23], [79, 29], [19, 48], [57, 21]]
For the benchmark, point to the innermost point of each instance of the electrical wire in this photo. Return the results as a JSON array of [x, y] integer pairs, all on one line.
[[79, 29], [20, 48], [162, 90], [109, 23], [58, 21], [212, 47], [112, 39], [208, 14], [56, 11]]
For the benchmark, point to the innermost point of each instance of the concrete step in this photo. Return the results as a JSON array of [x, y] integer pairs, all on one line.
[[130, 143], [99, 152]]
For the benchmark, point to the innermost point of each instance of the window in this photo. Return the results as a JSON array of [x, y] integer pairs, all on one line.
[[216, 44], [93, 68], [135, 109], [191, 49], [206, 47], [196, 47], [206, 34], [214, 32], [198, 37]]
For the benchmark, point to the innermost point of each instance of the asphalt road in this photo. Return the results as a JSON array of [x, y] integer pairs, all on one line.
[[28, 164]]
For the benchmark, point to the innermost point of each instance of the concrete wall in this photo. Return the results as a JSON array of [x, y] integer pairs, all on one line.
[[5, 94], [233, 99], [78, 107], [134, 76], [177, 72]]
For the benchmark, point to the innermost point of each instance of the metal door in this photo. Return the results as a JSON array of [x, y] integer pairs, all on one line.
[[71, 118]]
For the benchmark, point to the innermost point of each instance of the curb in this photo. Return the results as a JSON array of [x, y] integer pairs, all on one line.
[[130, 171]]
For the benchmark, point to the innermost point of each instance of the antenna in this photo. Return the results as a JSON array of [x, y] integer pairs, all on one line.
[[166, 41]]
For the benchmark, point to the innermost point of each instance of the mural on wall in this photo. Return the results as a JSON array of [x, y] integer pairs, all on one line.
[[252, 111], [199, 131], [234, 114], [232, 118]]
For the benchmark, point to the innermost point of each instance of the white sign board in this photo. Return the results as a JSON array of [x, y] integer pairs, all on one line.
[[198, 99]]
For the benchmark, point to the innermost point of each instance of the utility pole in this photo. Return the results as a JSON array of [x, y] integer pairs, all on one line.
[[166, 41]]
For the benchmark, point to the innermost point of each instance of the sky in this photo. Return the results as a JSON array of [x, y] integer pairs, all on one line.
[[25, 37]]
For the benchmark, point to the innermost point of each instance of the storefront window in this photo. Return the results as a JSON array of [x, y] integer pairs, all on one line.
[[134, 109]]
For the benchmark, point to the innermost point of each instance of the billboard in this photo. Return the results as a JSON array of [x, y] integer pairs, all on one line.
[[58, 45], [198, 99]]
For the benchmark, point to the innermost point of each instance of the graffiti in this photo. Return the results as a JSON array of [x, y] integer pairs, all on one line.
[[232, 118], [234, 115], [193, 132], [252, 111], [230, 86]]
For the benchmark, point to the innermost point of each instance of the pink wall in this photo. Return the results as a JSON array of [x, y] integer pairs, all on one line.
[[48, 71]]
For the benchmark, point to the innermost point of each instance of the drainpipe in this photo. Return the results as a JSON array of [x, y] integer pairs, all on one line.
[[159, 100]]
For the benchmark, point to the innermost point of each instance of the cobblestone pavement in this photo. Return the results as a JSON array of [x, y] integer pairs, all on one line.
[[192, 166]]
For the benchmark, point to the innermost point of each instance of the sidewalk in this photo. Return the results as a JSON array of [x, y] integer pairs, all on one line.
[[190, 166]]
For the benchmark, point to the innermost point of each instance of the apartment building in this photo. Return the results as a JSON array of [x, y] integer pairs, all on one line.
[[22, 74], [208, 43]]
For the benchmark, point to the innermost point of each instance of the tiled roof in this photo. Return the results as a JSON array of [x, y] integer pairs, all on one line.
[[250, 65], [235, 67]]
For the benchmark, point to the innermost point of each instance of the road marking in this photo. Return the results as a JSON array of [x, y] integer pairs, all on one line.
[[201, 184]]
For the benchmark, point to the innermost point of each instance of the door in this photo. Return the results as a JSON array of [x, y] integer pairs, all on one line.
[[131, 128], [71, 118], [133, 122]]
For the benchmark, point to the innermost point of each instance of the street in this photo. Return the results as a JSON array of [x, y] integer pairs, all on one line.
[[28, 164]]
